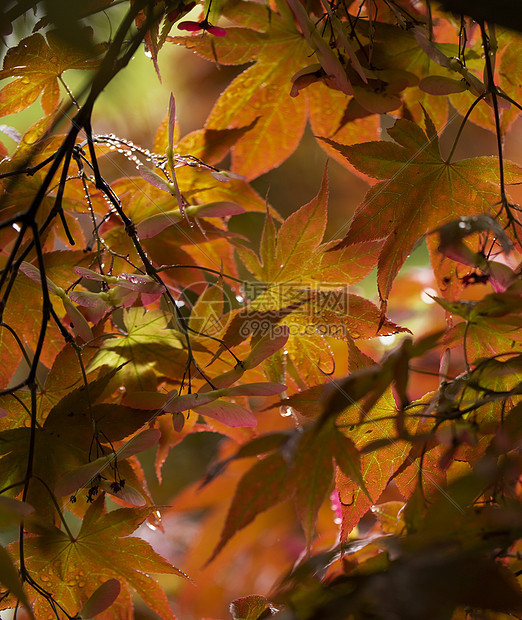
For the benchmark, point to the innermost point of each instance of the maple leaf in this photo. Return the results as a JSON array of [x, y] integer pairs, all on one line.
[[250, 607], [491, 326], [313, 471], [307, 475], [263, 90], [23, 311], [294, 267], [72, 568], [37, 64], [146, 339], [11, 354], [421, 192], [507, 79], [64, 437], [364, 437], [362, 425], [396, 48], [260, 488]]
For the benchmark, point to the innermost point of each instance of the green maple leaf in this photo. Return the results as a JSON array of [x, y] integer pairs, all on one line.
[[148, 343], [72, 568], [420, 193]]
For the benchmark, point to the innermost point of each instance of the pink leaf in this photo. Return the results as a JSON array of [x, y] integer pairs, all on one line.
[[225, 175], [326, 56], [126, 297], [430, 48], [89, 274], [154, 179], [145, 440], [152, 226], [149, 298], [126, 493], [227, 413], [216, 30], [89, 300], [266, 347], [178, 422], [177, 404], [190, 26], [143, 284], [33, 273], [256, 389], [220, 208], [204, 25], [95, 304]]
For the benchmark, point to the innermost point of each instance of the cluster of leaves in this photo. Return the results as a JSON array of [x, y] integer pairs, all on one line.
[[133, 315]]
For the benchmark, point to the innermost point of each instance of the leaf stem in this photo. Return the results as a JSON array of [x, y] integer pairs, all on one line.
[[462, 124]]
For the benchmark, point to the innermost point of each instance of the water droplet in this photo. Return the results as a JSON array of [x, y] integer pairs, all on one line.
[[286, 411]]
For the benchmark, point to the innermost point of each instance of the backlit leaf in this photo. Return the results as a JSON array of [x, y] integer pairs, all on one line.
[[250, 607], [37, 64], [103, 550], [421, 192], [263, 486]]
